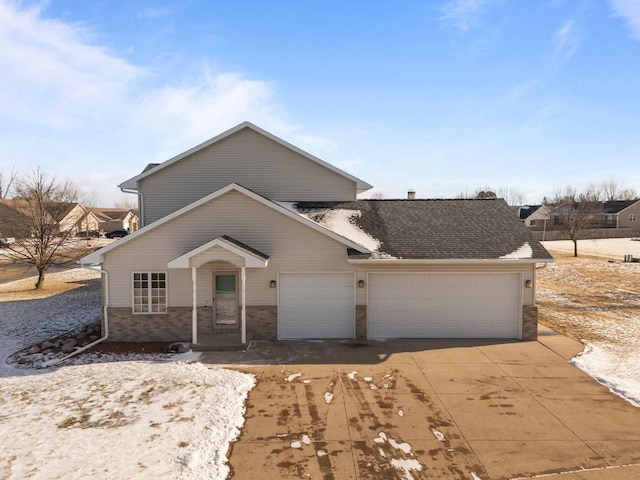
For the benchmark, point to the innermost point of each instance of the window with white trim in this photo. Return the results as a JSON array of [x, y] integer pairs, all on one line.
[[632, 217], [149, 292]]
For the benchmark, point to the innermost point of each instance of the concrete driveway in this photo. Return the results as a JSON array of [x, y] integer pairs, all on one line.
[[436, 409]]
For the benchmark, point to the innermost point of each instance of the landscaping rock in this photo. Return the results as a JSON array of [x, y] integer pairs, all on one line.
[[46, 344], [68, 347], [93, 338], [34, 349], [48, 350]]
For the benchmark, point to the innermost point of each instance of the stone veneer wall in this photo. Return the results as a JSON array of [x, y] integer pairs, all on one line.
[[529, 323], [361, 322], [262, 322]]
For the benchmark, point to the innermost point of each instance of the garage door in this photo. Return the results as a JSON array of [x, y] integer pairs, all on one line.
[[429, 305], [316, 305]]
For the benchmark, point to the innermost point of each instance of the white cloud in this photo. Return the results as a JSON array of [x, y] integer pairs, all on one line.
[[52, 75], [630, 11], [462, 12], [79, 110], [566, 41]]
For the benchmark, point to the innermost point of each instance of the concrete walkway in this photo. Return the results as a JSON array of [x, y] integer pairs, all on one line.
[[437, 409]]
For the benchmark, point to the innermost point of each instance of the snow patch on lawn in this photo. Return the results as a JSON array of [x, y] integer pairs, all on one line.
[[131, 419], [614, 367]]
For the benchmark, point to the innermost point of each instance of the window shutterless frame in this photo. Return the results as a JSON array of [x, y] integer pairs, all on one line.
[[149, 292]]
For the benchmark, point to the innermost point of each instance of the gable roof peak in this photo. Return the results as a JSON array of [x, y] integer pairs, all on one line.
[[132, 183]]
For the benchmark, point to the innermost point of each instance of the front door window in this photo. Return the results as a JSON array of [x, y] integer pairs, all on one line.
[[225, 299]]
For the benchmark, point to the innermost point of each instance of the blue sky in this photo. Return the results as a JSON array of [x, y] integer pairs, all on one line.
[[440, 96]]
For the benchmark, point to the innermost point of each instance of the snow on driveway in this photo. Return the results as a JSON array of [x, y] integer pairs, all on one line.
[[142, 419]]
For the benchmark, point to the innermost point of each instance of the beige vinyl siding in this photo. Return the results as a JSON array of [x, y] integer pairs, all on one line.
[[623, 216], [248, 159], [292, 247]]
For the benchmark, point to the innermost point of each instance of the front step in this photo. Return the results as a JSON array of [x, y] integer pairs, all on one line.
[[220, 343]]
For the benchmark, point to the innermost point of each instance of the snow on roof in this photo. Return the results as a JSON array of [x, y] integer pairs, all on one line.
[[525, 251], [341, 221]]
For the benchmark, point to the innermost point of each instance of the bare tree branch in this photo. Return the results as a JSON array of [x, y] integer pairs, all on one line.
[[6, 182], [45, 225], [576, 211]]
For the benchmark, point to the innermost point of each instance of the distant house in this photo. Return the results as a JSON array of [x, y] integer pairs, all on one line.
[[68, 216], [111, 219], [11, 220], [533, 215], [250, 236], [609, 214], [621, 213], [72, 217]]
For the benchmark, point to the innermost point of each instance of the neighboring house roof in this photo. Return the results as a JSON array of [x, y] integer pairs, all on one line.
[[428, 229], [112, 213], [97, 256], [60, 211], [611, 207], [526, 211], [132, 183]]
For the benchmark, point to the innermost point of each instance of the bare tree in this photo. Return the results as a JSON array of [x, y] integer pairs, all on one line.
[[6, 182], [479, 193], [576, 211], [41, 202], [512, 196], [611, 190], [126, 204]]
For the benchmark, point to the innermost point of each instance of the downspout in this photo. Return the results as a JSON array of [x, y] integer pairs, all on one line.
[[243, 314], [106, 322], [140, 202], [194, 312]]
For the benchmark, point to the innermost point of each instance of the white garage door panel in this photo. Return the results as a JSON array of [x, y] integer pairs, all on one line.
[[433, 305], [316, 305]]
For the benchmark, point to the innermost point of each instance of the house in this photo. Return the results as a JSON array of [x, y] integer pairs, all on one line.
[[68, 216], [607, 214], [248, 235], [16, 215], [110, 219], [11, 220], [621, 213], [533, 215]]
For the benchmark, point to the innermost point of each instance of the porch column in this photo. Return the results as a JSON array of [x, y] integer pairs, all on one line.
[[194, 313], [243, 307]]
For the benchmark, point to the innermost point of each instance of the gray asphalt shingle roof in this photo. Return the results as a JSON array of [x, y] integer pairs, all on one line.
[[437, 229]]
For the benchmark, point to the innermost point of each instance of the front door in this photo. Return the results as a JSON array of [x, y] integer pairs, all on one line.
[[225, 299]]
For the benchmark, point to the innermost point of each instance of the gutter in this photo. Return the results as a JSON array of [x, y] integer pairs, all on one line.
[[140, 202], [450, 261], [106, 322]]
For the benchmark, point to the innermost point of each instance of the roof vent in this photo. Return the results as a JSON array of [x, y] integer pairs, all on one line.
[[411, 194]]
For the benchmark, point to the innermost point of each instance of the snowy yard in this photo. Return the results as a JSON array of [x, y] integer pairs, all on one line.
[[150, 418], [597, 302], [614, 248]]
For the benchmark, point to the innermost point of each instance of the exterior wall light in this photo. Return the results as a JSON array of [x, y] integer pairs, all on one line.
[[272, 284], [528, 284], [360, 283]]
